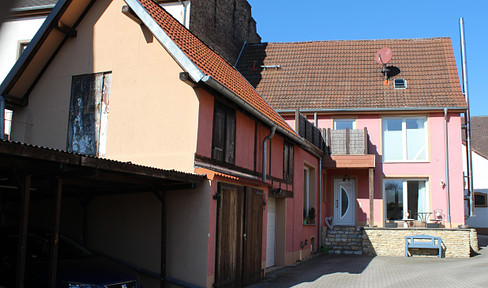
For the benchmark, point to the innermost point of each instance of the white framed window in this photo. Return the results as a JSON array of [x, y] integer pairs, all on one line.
[[343, 124], [405, 198], [404, 139]]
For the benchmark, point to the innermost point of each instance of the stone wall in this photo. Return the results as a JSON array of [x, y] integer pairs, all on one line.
[[457, 243], [224, 25]]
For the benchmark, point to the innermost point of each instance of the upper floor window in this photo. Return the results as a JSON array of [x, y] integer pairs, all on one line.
[[288, 162], [404, 139], [343, 124], [224, 133], [308, 195]]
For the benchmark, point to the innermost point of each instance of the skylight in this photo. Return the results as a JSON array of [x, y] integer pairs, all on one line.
[[400, 84]]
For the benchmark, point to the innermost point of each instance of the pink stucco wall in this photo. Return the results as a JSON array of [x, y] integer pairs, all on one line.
[[433, 170], [247, 146]]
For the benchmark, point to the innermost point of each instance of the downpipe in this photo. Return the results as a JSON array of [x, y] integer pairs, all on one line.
[[446, 159]]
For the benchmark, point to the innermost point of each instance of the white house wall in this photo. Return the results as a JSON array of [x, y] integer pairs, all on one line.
[[480, 184], [11, 32]]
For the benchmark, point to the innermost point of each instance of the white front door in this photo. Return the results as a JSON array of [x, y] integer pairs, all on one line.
[[344, 202], [271, 233]]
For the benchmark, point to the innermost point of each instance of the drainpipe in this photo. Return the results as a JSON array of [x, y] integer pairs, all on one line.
[[446, 156], [184, 12], [2, 118], [273, 130], [467, 117], [320, 203]]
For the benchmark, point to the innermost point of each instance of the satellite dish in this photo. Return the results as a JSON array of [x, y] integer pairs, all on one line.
[[383, 56]]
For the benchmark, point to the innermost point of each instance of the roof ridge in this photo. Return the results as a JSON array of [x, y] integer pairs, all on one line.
[[354, 40]]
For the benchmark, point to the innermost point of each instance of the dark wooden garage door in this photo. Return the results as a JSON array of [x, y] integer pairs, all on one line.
[[239, 236]]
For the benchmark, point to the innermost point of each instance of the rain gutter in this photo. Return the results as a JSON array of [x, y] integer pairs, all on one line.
[[370, 109]]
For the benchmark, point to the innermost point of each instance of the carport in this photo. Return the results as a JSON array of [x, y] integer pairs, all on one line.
[[31, 172]]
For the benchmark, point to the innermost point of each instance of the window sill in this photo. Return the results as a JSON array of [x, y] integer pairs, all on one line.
[[405, 161]]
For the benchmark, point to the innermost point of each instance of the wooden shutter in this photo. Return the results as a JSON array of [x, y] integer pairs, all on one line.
[[218, 141], [230, 135], [84, 114]]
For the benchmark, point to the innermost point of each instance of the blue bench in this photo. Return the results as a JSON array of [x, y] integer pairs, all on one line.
[[423, 241]]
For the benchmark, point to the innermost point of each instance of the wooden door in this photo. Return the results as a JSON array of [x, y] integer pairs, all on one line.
[[239, 236], [253, 236], [230, 210]]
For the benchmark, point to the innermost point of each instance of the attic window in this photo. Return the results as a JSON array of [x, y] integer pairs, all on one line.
[[400, 84]]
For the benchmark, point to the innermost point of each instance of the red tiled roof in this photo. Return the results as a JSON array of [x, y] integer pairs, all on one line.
[[344, 74], [210, 63], [479, 134]]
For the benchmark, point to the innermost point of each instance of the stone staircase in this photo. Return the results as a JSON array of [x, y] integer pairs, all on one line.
[[345, 240]]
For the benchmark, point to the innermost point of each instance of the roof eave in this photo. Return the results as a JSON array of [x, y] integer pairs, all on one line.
[[211, 82], [393, 109]]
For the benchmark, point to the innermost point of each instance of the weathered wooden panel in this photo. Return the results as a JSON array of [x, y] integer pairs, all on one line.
[[84, 116], [230, 135], [254, 235], [218, 137], [228, 267]]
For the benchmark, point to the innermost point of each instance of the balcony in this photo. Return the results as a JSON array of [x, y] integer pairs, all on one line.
[[347, 149]]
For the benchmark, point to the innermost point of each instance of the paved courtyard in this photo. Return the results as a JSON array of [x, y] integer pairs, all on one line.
[[367, 271]]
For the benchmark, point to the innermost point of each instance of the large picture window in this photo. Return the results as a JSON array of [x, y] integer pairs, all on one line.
[[404, 139], [405, 199]]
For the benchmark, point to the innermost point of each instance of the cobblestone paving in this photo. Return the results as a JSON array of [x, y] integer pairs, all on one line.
[[368, 271]]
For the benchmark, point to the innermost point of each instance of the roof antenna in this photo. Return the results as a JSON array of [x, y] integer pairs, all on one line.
[[383, 56]]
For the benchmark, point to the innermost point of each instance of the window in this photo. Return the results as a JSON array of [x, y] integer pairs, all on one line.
[[480, 199], [400, 84], [88, 113], [288, 162], [405, 198], [224, 133], [7, 129], [343, 124], [404, 139], [308, 195], [21, 47]]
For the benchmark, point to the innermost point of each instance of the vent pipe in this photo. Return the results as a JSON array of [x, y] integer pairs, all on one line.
[[469, 159]]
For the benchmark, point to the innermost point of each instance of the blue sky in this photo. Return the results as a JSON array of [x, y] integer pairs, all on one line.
[[291, 21]]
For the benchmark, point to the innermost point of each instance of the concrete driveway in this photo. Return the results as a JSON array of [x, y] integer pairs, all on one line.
[[367, 271]]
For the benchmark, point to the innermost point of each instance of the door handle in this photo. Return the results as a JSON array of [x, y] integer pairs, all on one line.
[[337, 203], [244, 236]]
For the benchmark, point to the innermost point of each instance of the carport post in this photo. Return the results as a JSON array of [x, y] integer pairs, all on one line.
[[25, 200], [53, 261], [163, 240]]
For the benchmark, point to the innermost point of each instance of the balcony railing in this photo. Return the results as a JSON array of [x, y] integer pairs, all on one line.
[[345, 142], [333, 142]]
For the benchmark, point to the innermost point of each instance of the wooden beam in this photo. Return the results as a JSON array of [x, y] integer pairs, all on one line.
[[371, 197], [67, 30], [53, 257], [185, 77], [127, 11], [25, 192]]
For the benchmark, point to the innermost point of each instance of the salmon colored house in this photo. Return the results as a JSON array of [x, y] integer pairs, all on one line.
[[125, 81], [392, 141]]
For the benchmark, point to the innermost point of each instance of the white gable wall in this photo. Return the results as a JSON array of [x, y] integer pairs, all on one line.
[[480, 184]]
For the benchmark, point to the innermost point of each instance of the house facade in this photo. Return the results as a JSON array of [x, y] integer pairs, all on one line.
[[126, 82], [391, 140]]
